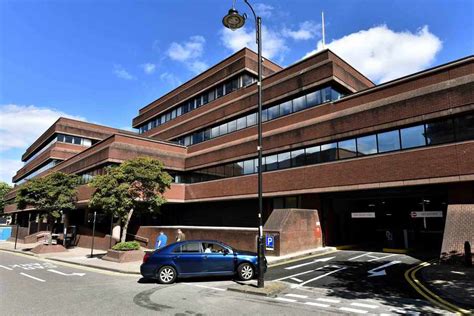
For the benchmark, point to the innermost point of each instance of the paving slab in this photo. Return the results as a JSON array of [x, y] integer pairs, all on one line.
[[272, 288]]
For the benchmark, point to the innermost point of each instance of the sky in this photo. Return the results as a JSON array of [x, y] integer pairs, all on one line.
[[103, 60]]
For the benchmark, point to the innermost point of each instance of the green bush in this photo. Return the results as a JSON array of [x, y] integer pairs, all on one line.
[[127, 246]]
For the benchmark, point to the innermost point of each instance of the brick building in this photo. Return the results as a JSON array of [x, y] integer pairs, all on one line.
[[389, 165]]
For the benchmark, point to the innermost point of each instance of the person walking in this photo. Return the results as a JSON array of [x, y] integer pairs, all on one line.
[[161, 240], [180, 236]]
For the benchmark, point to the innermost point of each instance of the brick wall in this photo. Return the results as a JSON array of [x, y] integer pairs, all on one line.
[[459, 228]]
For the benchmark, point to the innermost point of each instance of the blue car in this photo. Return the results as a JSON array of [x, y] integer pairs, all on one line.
[[194, 258]]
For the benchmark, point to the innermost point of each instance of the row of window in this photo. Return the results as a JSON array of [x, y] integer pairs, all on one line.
[[309, 100], [65, 139], [47, 166], [87, 176], [202, 99], [431, 133]]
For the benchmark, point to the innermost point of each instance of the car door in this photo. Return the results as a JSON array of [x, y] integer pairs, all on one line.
[[188, 258], [218, 259]]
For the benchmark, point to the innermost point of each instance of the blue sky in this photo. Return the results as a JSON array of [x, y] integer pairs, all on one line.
[[102, 60]]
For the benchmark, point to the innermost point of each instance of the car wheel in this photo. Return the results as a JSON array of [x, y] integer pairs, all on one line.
[[167, 275], [245, 271]]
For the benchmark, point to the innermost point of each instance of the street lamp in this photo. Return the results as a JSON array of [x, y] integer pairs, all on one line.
[[233, 20]]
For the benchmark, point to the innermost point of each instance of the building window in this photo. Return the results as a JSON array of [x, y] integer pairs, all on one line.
[[347, 149], [248, 166], [286, 108], [366, 145], [328, 152], [464, 127], [413, 136], [439, 132], [241, 123], [232, 126], [313, 155], [274, 112], [271, 163], [299, 103], [215, 132], [313, 98], [284, 160], [388, 141], [252, 119], [298, 158]]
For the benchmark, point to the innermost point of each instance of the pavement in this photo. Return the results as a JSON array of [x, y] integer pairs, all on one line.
[[350, 276]]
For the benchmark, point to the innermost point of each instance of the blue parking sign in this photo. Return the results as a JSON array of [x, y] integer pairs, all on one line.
[[269, 242]]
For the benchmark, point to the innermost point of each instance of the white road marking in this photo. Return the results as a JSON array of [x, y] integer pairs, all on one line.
[[7, 268], [296, 279], [205, 287], [364, 254], [364, 305], [66, 274], [380, 258], [320, 277], [297, 295], [294, 275], [376, 272], [328, 300], [311, 262], [285, 299], [353, 310], [317, 304], [32, 277]]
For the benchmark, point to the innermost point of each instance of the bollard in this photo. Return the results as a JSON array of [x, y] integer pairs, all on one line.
[[467, 254]]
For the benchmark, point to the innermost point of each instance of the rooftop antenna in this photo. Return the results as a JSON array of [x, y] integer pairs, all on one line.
[[324, 35]]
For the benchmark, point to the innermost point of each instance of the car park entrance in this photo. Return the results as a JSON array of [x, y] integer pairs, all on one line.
[[394, 219]]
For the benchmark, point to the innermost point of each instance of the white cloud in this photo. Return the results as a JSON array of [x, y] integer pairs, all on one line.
[[263, 10], [307, 30], [8, 168], [171, 79], [121, 73], [383, 54], [274, 45], [20, 125], [189, 53], [149, 68]]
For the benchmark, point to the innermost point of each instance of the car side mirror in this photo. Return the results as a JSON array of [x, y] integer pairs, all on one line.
[[226, 251]]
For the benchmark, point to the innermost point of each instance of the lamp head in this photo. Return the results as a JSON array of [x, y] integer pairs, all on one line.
[[233, 20]]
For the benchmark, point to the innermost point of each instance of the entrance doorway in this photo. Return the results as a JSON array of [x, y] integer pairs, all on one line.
[[404, 218]]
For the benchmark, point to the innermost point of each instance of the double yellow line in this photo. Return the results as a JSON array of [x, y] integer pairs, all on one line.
[[410, 276]]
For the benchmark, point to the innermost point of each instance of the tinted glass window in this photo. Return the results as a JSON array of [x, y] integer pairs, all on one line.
[[231, 126], [271, 162], [207, 134], [299, 103], [60, 138], [219, 91], [367, 145], [439, 132], [328, 152], [413, 136], [77, 140], [264, 115], [298, 158], [273, 112], [198, 101], [205, 98], [388, 141], [229, 170], [285, 108], [313, 155], [313, 98], [223, 129], [252, 119], [241, 122], [215, 132], [220, 171], [211, 95], [335, 95], [464, 127], [228, 87], [68, 139], [248, 166], [197, 137], [238, 168], [326, 94], [284, 160], [347, 148], [192, 247]]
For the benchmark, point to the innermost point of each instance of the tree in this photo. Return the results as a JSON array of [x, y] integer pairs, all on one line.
[[4, 189], [52, 194], [135, 185]]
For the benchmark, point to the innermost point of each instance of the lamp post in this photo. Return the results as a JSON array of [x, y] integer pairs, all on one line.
[[233, 20]]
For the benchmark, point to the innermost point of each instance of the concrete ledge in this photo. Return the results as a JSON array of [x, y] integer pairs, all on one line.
[[95, 266], [124, 256], [271, 288], [273, 261], [41, 249]]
